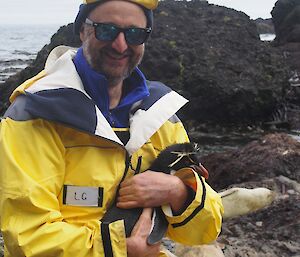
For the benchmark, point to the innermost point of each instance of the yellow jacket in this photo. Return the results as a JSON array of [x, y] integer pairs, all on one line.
[[61, 162]]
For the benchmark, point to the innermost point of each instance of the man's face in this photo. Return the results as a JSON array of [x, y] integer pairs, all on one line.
[[115, 59]]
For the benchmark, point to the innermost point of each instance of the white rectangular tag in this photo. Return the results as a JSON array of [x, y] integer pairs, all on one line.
[[83, 196]]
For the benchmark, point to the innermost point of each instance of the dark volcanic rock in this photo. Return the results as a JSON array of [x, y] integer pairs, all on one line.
[[268, 157], [217, 61], [210, 54], [286, 19], [264, 26]]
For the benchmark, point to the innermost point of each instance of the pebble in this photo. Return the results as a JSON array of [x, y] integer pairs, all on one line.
[[169, 244], [259, 223]]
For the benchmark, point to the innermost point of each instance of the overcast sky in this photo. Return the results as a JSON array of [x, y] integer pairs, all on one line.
[[61, 12]]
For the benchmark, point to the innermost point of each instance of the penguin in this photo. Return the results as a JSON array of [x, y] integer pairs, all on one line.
[[169, 160], [178, 156]]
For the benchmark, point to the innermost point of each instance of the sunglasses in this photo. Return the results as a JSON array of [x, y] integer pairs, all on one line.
[[109, 32]]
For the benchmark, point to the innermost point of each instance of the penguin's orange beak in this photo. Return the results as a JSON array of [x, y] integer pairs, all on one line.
[[201, 170]]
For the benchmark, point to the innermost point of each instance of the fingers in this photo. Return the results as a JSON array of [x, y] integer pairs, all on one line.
[[128, 189], [129, 196], [127, 205], [144, 224], [126, 182], [147, 213], [148, 189]]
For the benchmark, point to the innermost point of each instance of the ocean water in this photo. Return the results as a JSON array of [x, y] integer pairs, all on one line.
[[19, 45]]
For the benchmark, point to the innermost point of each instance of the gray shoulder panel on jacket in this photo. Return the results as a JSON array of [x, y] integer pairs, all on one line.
[[16, 110], [174, 119]]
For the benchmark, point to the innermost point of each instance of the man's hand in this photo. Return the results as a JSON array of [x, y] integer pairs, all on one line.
[[152, 189], [137, 243]]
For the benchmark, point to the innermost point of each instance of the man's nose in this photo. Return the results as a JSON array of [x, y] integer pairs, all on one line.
[[120, 44]]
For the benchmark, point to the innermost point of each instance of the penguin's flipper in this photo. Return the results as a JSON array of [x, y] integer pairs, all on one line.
[[159, 227], [130, 217]]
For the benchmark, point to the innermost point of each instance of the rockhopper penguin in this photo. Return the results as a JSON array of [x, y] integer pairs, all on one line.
[[171, 159]]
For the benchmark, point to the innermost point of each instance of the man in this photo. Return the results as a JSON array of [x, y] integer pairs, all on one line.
[[85, 124]]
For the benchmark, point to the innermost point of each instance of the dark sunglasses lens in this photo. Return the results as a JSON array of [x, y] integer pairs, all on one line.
[[136, 36], [106, 32]]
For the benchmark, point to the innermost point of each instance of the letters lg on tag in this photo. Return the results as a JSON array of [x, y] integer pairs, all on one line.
[[83, 196]]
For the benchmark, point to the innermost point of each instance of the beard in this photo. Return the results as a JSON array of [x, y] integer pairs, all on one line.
[[114, 72]]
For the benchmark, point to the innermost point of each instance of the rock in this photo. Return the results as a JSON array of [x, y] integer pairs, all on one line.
[[268, 157], [286, 19], [222, 69], [264, 26], [289, 109], [210, 54], [289, 182]]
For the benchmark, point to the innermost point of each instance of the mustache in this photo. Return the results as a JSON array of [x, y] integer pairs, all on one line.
[[110, 51]]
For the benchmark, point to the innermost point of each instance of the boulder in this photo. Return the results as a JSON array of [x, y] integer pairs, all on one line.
[[218, 62], [264, 26], [210, 54], [286, 19]]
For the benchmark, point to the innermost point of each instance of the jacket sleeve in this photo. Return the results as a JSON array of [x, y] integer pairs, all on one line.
[[32, 168], [200, 222]]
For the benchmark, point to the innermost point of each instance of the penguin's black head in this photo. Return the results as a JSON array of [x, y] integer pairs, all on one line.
[[175, 157]]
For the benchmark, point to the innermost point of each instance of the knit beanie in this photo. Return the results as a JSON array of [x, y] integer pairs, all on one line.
[[89, 5]]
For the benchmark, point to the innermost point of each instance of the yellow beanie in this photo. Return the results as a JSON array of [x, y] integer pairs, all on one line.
[[149, 4]]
